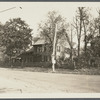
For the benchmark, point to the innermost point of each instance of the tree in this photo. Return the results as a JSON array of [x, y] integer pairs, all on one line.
[[94, 30], [47, 28], [16, 37], [95, 46], [94, 38], [1, 33], [78, 24], [86, 24], [70, 41]]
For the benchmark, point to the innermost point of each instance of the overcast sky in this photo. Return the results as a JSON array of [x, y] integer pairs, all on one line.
[[35, 12]]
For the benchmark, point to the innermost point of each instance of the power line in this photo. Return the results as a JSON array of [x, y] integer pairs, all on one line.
[[7, 9]]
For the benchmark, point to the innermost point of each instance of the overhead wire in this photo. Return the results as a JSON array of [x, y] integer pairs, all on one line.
[[7, 9]]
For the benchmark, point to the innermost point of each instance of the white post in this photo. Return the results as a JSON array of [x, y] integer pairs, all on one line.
[[54, 49]]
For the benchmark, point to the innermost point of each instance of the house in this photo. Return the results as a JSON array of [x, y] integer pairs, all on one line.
[[40, 54]]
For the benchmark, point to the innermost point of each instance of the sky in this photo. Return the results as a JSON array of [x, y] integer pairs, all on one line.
[[35, 12]]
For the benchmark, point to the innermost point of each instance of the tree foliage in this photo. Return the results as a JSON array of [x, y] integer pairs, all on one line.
[[47, 28], [95, 46], [16, 36]]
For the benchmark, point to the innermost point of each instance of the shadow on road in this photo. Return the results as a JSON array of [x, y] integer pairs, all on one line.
[[10, 90]]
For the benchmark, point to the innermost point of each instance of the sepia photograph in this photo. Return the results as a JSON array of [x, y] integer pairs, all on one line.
[[49, 48]]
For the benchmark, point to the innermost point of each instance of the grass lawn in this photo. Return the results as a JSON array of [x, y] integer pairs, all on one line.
[[85, 71]]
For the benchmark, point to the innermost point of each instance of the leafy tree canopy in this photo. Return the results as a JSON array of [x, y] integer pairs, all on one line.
[[95, 46], [16, 36], [47, 28]]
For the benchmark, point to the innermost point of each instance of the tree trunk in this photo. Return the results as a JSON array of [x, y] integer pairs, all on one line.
[[78, 47], [85, 47], [99, 30], [85, 39], [79, 37], [71, 46], [10, 60]]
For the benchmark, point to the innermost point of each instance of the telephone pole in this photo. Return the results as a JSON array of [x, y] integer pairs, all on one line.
[[54, 49]]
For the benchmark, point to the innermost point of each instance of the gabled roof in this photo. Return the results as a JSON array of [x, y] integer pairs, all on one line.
[[40, 41], [30, 50]]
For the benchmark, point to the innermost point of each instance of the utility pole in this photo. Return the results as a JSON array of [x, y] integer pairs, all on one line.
[[71, 45], [54, 49]]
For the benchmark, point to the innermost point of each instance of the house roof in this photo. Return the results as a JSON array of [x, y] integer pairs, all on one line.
[[40, 41], [30, 50]]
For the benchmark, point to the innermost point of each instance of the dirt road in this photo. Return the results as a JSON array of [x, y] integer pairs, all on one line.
[[12, 81]]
